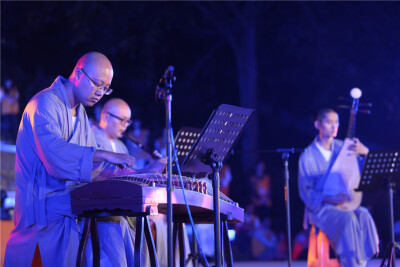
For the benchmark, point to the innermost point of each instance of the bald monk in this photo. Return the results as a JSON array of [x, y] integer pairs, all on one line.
[[56, 153], [114, 119]]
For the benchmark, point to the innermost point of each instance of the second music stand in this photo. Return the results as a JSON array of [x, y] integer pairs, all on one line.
[[382, 169], [184, 141], [211, 148]]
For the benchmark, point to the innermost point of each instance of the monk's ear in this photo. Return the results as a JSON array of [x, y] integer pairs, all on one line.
[[78, 73], [317, 124]]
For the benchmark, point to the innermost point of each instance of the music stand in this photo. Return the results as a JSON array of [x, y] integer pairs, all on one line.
[[221, 132], [382, 169], [184, 141], [211, 148]]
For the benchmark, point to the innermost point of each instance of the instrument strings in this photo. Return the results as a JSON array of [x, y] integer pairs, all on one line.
[[159, 179]]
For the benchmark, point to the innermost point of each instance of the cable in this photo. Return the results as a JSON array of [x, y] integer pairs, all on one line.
[[186, 203]]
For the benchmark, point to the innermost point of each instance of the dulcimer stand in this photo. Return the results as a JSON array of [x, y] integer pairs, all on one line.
[[90, 220]]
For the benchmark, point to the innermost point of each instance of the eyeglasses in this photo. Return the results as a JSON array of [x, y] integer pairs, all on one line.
[[121, 120], [97, 86]]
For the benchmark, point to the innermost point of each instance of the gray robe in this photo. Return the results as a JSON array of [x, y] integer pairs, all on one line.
[[53, 157], [116, 237], [352, 234], [108, 239], [103, 142]]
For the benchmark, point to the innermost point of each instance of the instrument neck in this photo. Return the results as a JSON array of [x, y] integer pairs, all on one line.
[[143, 147], [351, 129]]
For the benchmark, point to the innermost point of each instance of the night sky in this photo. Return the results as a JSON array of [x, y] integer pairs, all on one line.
[[283, 59]]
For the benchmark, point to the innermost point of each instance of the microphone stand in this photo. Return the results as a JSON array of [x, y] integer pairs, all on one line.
[[216, 166], [163, 91], [168, 101], [285, 157]]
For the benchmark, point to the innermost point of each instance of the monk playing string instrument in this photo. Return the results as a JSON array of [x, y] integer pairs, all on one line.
[[114, 120], [352, 233], [56, 153]]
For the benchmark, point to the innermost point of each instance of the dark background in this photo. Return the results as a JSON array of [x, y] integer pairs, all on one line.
[[284, 59]]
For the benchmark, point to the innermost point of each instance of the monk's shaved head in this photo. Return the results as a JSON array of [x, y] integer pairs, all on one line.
[[90, 79], [115, 117], [321, 114], [115, 105], [92, 62]]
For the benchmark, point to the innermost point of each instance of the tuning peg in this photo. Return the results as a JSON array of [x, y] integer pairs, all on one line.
[[365, 111], [343, 107], [365, 105], [341, 98]]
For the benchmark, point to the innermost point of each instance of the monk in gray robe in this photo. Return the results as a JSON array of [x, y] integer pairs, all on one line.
[[114, 119], [113, 229], [352, 234], [56, 153]]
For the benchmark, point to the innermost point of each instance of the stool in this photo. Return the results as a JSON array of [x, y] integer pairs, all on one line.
[[318, 251]]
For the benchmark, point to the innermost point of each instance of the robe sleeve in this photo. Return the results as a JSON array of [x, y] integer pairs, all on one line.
[[311, 197], [61, 159]]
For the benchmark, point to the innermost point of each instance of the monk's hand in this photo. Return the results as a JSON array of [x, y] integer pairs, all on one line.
[[336, 199], [357, 147], [159, 165], [157, 154], [122, 160]]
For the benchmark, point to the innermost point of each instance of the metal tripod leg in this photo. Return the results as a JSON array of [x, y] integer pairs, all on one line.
[[227, 245], [390, 255], [390, 252], [150, 243]]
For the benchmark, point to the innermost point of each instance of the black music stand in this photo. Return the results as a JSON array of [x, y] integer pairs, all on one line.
[[382, 169], [211, 148], [184, 141]]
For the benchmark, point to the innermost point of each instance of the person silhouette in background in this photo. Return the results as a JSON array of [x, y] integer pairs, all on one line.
[[9, 111], [261, 187]]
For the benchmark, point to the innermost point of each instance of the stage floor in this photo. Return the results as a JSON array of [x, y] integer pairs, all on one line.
[[6, 227], [371, 263]]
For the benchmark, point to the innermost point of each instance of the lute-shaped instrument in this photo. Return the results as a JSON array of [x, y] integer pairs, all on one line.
[[344, 175]]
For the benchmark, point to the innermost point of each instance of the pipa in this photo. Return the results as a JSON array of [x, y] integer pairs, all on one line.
[[344, 176]]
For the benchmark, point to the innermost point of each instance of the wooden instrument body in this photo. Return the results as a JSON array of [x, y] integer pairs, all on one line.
[[344, 177], [129, 195]]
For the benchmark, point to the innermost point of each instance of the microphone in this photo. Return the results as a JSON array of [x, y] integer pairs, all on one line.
[[169, 73], [164, 85], [154, 154]]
